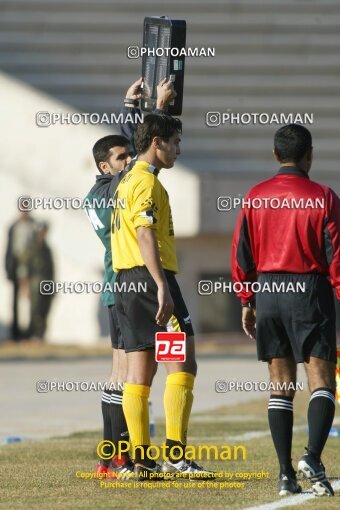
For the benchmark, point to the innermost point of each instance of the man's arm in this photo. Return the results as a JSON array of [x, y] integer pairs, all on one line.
[[9, 258], [243, 269], [332, 239], [243, 266], [134, 93], [165, 94], [149, 250]]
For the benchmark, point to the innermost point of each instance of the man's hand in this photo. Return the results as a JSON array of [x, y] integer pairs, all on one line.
[[165, 94], [148, 246], [166, 305], [249, 322], [135, 90]]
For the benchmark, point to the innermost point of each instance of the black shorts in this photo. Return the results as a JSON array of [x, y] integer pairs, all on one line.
[[300, 324], [115, 333], [136, 311]]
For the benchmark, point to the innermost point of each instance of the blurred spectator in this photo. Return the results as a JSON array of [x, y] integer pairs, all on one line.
[[41, 267], [20, 237]]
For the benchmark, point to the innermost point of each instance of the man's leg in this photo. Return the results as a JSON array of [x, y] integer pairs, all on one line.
[[321, 380], [141, 367], [115, 427], [40, 306], [136, 316], [107, 408], [122, 367], [46, 303], [178, 399], [15, 323], [280, 410], [119, 430], [275, 342]]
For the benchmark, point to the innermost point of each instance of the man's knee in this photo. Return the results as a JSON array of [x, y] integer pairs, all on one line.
[[138, 380], [141, 377], [282, 373], [141, 367], [122, 366], [190, 363], [189, 366], [320, 374], [115, 367]]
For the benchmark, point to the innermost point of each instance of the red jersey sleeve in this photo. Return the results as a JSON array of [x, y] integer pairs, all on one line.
[[331, 233], [243, 267]]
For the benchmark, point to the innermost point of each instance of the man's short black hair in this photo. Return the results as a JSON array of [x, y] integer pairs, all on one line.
[[154, 124], [101, 149], [292, 142]]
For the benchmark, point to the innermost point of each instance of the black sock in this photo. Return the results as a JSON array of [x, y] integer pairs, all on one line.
[[107, 429], [118, 422], [141, 456], [176, 457], [320, 418], [280, 417]]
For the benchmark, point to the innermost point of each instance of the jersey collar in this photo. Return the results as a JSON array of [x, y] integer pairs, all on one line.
[[144, 165], [292, 170], [153, 170]]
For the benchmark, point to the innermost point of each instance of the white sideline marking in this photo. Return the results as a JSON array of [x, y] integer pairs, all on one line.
[[292, 500]]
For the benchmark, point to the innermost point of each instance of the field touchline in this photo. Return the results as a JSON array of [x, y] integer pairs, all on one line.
[[291, 500]]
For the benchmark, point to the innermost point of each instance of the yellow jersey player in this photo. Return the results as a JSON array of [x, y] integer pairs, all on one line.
[[143, 251]]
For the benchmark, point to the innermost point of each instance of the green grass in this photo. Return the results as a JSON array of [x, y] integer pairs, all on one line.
[[42, 474]]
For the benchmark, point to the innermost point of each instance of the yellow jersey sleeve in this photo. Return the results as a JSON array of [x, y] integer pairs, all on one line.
[[146, 201]]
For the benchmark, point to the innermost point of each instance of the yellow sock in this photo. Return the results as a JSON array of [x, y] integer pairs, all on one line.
[[178, 400], [136, 411]]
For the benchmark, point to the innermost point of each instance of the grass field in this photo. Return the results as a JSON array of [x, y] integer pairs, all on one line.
[[42, 474]]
